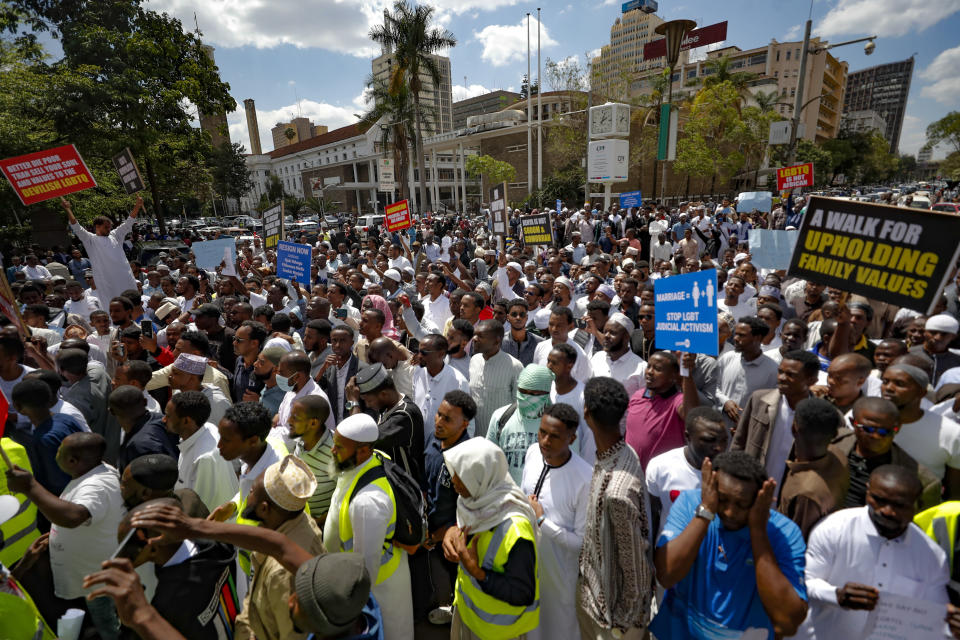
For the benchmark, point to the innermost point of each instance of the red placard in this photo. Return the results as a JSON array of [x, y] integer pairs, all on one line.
[[800, 175], [703, 36], [47, 174], [397, 216]]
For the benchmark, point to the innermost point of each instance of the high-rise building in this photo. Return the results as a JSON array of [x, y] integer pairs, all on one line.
[[214, 124], [479, 105], [297, 130], [253, 128], [436, 101], [776, 68], [925, 155], [620, 60], [868, 120], [884, 89]]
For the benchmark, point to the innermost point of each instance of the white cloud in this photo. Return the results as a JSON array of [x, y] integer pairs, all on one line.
[[320, 113], [461, 92], [503, 44], [892, 18], [793, 33], [593, 54], [942, 72], [698, 54]]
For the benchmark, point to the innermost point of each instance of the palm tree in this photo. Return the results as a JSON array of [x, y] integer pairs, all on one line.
[[766, 101], [407, 32], [720, 72]]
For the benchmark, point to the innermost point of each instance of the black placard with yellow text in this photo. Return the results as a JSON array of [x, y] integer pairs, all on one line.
[[536, 229], [892, 254]]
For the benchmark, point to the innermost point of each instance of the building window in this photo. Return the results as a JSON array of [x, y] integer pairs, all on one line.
[[778, 56], [788, 55]]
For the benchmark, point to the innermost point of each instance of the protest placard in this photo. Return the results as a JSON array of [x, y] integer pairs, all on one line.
[[498, 209], [897, 617], [293, 262], [772, 249], [630, 199], [210, 253], [800, 175], [273, 226], [397, 216], [748, 201], [891, 254], [129, 173], [686, 312], [42, 175], [536, 229]]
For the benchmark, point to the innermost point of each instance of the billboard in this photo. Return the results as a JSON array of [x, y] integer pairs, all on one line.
[[710, 34]]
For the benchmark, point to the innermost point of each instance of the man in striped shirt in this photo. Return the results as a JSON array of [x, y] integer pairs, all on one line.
[[313, 442]]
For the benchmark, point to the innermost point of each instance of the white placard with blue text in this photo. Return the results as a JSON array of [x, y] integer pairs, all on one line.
[[630, 199], [686, 312], [293, 262], [559, 205]]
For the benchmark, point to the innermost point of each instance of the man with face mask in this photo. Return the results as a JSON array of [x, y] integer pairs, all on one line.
[[855, 554], [514, 427], [277, 502], [358, 521]]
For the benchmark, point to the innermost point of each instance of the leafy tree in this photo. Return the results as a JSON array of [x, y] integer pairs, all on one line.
[[275, 190], [946, 130], [408, 33], [534, 88], [711, 140], [950, 166], [493, 171], [821, 158], [293, 206], [289, 133], [231, 178]]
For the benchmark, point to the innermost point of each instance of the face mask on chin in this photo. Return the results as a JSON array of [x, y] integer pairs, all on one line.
[[531, 407]]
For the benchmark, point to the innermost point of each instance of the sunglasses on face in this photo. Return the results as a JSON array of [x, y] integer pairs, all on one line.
[[880, 431]]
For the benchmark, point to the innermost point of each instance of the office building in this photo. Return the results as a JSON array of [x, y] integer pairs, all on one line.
[[479, 105], [869, 120], [437, 101], [297, 130], [884, 89], [620, 60]]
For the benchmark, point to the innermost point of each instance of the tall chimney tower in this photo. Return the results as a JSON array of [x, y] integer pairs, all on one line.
[[252, 128]]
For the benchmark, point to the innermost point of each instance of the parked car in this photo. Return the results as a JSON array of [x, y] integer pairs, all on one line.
[[946, 207], [367, 223]]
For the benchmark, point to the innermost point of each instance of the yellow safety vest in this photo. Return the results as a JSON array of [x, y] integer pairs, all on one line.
[[940, 523], [243, 555], [20, 531], [20, 618], [483, 614], [389, 556]]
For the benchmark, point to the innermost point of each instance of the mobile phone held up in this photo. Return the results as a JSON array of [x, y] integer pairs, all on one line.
[[146, 328]]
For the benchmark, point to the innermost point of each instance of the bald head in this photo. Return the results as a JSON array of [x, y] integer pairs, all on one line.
[[895, 477], [80, 452], [295, 361], [314, 408], [852, 363]]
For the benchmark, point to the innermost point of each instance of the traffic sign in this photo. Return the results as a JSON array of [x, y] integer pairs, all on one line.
[[686, 312]]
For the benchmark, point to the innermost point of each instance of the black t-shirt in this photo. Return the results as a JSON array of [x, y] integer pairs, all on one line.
[[198, 596], [860, 470]]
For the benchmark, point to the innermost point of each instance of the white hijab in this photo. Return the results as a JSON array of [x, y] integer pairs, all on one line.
[[494, 496]]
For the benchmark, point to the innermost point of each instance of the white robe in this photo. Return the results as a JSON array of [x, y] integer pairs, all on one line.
[[564, 497], [111, 270]]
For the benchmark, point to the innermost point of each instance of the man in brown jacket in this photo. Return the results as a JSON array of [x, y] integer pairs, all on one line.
[[816, 480]]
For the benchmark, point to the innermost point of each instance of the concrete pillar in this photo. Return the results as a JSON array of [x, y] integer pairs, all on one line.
[[435, 186], [456, 180], [463, 175]]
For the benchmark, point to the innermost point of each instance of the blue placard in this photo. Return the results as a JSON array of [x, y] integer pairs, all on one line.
[[686, 312], [293, 262], [630, 199], [559, 205], [210, 253]]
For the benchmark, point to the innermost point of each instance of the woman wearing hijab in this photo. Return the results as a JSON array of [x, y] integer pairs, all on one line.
[[514, 428], [497, 593], [379, 302]]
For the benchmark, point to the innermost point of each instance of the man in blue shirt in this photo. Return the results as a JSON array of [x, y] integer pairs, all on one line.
[[33, 398], [680, 228], [728, 562]]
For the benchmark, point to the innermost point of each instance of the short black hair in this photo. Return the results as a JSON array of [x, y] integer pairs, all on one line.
[[258, 332], [798, 322], [72, 361], [123, 300], [251, 418], [442, 343], [817, 419], [563, 311], [280, 322], [198, 339], [700, 414], [565, 414], [346, 328], [476, 297], [264, 310], [777, 310], [377, 314], [321, 326], [32, 393], [41, 310], [518, 302], [49, 377], [192, 279], [598, 305], [863, 306], [568, 352], [811, 363], [757, 326], [193, 405], [742, 466], [467, 329], [606, 400], [463, 401], [139, 371]]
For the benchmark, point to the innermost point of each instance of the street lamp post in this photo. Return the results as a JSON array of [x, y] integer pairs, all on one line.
[[674, 30]]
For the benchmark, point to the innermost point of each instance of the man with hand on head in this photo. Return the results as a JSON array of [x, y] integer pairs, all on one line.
[[187, 375]]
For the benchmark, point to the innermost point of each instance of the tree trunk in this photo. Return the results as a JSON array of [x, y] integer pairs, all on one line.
[[155, 193], [421, 162]]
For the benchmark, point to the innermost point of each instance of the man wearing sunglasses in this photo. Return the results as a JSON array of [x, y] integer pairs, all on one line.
[[874, 423]]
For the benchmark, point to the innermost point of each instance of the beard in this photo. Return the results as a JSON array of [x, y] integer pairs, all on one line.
[[336, 469]]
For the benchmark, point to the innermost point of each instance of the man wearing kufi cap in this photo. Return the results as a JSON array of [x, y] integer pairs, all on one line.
[[508, 277], [276, 502], [391, 282], [154, 476], [939, 332], [617, 360], [359, 520], [187, 375]]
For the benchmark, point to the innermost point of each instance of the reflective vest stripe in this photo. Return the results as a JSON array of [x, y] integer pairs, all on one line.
[[389, 557], [941, 536], [499, 619], [20, 531]]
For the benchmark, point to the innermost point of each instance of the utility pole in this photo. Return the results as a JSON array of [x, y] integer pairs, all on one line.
[[529, 114], [539, 113], [798, 103]]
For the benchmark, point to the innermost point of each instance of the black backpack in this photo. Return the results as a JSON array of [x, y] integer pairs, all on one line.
[[411, 526]]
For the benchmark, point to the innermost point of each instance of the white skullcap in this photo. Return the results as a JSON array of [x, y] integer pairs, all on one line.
[[191, 364], [359, 427], [740, 257], [565, 281], [607, 290], [515, 265], [623, 321], [289, 483], [943, 322], [393, 274]]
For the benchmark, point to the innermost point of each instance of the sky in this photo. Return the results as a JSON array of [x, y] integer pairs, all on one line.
[[312, 57]]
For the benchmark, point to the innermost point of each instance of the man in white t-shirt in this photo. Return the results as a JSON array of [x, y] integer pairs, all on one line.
[[677, 470], [735, 302], [84, 521], [567, 390]]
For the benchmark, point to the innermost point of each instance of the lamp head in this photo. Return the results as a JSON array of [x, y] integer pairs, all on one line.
[[869, 47]]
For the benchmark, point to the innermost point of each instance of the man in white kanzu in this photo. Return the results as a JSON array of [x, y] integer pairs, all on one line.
[[105, 249]]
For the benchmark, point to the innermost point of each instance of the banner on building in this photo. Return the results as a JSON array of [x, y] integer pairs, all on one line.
[[273, 226], [891, 254], [129, 173], [498, 209], [800, 175], [686, 312], [293, 262], [397, 216], [43, 175], [710, 34], [386, 175], [536, 229]]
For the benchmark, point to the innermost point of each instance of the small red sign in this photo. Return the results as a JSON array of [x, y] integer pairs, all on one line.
[[47, 174], [703, 36], [800, 175], [397, 216]]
